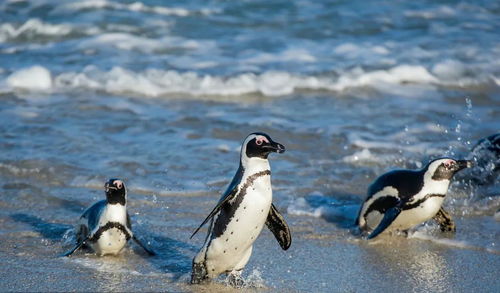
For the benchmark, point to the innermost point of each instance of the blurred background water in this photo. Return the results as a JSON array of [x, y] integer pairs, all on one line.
[[161, 94]]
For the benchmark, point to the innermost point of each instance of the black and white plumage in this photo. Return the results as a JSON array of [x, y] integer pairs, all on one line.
[[239, 216], [486, 156], [402, 199], [105, 226]]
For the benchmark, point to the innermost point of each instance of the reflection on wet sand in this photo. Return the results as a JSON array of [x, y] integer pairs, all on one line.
[[411, 263], [109, 271]]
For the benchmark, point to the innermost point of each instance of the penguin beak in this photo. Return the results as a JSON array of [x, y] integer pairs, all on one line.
[[462, 164], [275, 147], [109, 185]]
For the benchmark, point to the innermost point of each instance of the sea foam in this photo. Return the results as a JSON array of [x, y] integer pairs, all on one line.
[[35, 78], [134, 6], [157, 82]]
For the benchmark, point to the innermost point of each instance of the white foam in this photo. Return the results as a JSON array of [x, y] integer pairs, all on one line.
[[153, 82], [32, 27], [422, 235], [432, 13], [125, 41], [300, 207], [19, 171], [396, 75], [368, 141], [289, 55], [36, 78], [354, 51], [449, 70], [135, 6], [363, 155], [405, 80]]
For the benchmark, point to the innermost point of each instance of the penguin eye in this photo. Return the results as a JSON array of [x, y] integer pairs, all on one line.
[[259, 141], [448, 164], [118, 184]]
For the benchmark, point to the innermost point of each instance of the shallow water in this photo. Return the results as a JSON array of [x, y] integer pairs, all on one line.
[[162, 96]]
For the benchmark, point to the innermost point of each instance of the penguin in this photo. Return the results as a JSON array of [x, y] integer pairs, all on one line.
[[238, 218], [402, 199], [490, 143], [486, 155], [105, 226]]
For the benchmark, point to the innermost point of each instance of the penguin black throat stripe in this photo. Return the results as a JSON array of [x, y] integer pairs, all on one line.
[[110, 225], [413, 205], [228, 209]]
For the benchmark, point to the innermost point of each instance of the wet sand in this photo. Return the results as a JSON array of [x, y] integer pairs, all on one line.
[[324, 256]]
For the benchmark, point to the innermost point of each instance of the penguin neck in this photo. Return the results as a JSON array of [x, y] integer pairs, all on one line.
[[113, 199], [434, 186], [116, 213], [254, 164]]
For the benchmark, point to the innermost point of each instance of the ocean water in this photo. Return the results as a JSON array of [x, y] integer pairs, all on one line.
[[162, 93]]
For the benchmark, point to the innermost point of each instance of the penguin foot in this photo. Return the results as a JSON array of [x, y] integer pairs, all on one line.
[[235, 280], [199, 274], [446, 223]]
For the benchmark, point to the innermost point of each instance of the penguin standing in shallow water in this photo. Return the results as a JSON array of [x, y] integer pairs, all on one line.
[[242, 211], [402, 199], [105, 226]]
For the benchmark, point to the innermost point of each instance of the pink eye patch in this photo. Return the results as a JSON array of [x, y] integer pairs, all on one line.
[[260, 140], [448, 163], [118, 183]]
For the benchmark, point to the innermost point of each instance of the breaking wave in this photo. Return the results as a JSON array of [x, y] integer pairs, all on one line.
[[158, 83]]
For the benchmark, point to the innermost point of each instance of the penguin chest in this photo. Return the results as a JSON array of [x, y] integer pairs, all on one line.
[[232, 249], [111, 241], [409, 218]]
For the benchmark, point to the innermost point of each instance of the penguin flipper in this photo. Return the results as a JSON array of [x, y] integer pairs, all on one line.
[[78, 245], [446, 223], [129, 223], [147, 249], [276, 223], [389, 217], [228, 196]]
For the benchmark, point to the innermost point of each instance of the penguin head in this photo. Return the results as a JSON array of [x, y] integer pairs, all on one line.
[[260, 145], [445, 168], [115, 191]]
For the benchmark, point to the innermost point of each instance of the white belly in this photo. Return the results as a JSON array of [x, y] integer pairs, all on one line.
[[232, 250], [410, 218], [111, 242]]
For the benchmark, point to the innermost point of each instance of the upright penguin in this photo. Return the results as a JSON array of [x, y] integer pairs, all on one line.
[[105, 226], [242, 211], [402, 199]]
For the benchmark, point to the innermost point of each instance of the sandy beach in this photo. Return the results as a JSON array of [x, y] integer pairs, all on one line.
[[161, 95]]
